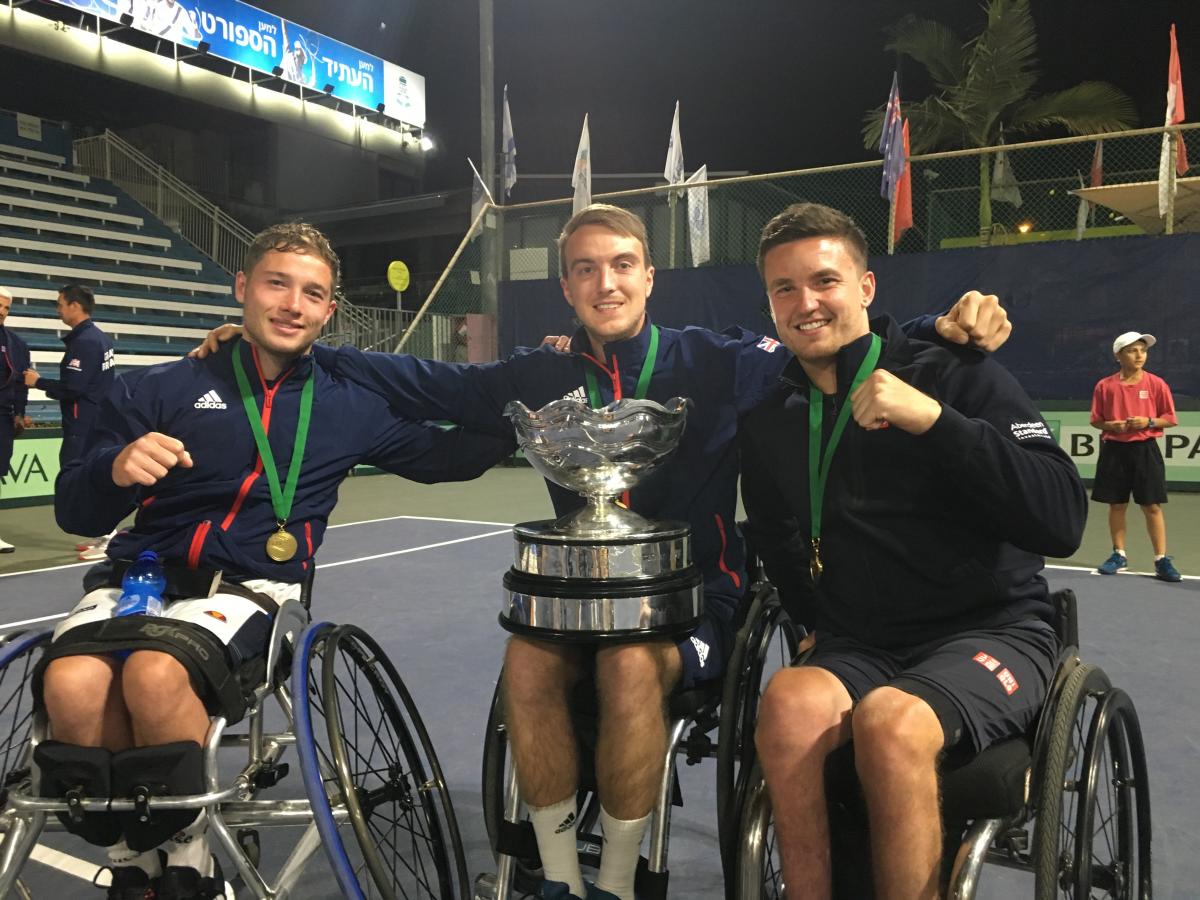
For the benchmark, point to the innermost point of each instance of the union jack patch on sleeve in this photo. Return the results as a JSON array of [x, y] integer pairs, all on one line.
[[769, 344]]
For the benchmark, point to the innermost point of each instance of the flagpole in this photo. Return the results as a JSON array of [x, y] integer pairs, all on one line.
[[892, 223], [1173, 151], [489, 250], [671, 201]]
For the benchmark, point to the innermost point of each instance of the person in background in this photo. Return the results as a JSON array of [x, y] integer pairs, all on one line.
[[14, 360], [1131, 408]]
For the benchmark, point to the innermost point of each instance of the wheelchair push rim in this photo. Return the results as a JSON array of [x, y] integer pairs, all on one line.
[[758, 874]]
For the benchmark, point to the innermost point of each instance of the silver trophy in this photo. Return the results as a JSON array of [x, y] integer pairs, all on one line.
[[603, 571]]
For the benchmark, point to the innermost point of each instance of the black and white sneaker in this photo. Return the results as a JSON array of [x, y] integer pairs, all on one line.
[[129, 883], [183, 883]]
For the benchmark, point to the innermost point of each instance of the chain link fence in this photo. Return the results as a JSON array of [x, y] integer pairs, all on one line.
[[947, 215]]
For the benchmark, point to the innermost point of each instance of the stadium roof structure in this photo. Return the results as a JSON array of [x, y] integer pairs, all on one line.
[[1138, 202]]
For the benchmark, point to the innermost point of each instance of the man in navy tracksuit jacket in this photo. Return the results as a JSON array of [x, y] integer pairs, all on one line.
[[85, 373], [724, 376], [176, 442], [916, 556], [14, 360]]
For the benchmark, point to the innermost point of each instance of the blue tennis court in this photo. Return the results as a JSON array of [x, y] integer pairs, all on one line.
[[429, 590]]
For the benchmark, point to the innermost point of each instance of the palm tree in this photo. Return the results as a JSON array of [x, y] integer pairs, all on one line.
[[985, 84]]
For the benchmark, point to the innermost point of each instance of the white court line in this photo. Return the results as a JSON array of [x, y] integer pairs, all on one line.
[[329, 528], [474, 537], [33, 621], [419, 519], [1092, 570], [72, 865]]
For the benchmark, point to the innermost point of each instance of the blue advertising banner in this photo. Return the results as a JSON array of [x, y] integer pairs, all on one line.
[[250, 37]]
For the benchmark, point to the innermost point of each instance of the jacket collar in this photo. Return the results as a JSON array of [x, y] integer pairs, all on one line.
[[298, 370], [628, 350], [78, 330], [851, 355]]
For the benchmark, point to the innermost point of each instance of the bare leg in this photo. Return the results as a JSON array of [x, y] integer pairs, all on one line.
[[538, 678], [84, 702], [803, 717], [633, 681], [897, 739], [162, 704], [1156, 527], [1116, 524]]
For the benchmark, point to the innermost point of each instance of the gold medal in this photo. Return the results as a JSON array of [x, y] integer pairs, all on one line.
[[815, 566], [281, 546]]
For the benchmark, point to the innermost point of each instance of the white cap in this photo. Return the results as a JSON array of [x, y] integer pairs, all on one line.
[[1130, 337]]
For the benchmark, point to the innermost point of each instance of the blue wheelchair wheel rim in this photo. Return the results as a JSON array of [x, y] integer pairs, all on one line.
[[310, 767]]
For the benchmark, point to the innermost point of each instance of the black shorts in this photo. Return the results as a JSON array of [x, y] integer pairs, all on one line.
[[983, 685], [1126, 466]]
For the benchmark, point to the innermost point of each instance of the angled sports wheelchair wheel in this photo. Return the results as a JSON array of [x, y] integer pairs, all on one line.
[[1061, 785], [1112, 850], [766, 642], [377, 790], [19, 654], [758, 872]]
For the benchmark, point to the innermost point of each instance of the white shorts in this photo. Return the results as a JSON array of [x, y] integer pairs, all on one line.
[[229, 617]]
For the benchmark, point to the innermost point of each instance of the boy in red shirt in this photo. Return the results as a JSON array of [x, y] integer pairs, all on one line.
[[1131, 408]]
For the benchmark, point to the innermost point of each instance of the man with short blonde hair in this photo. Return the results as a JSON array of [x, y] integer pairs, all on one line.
[[14, 360]]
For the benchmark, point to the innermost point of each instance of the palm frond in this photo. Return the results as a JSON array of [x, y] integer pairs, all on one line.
[[931, 122], [933, 45], [1001, 67], [1092, 107]]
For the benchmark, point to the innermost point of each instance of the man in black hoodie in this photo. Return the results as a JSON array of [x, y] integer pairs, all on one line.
[[901, 495]]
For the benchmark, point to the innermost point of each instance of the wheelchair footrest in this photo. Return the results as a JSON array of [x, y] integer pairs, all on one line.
[[516, 839], [650, 885]]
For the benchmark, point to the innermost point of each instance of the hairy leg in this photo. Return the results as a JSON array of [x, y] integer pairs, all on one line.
[[804, 716], [897, 740]]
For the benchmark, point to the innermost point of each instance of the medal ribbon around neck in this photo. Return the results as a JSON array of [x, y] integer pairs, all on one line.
[[818, 467], [643, 382], [281, 498]]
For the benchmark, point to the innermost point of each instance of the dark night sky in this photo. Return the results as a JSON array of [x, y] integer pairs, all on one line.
[[765, 85]]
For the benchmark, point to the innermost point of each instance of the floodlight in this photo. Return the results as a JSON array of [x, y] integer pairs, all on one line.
[[379, 107], [328, 89], [277, 71], [126, 19], [426, 143]]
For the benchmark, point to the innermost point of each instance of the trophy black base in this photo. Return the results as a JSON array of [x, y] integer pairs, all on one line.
[[586, 610]]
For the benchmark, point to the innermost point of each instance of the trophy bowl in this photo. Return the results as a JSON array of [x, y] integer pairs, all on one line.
[[602, 572], [599, 453]]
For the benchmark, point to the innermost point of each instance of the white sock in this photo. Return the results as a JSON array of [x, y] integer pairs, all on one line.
[[618, 862], [119, 854], [189, 847], [1160, 556], [554, 827]]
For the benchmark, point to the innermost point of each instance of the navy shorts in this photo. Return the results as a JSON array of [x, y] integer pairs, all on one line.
[[983, 685], [1130, 466]]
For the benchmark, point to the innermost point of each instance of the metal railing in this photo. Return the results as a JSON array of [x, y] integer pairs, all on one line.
[[200, 222], [365, 327]]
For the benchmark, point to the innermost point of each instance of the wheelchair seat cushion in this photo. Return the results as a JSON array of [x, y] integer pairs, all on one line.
[[990, 785]]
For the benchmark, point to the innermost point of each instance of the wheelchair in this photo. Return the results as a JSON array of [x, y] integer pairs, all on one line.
[[375, 799], [765, 640], [1069, 801]]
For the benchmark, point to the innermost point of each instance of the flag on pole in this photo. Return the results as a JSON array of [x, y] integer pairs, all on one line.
[[1004, 182], [673, 171], [1097, 176], [904, 215], [697, 201], [509, 145], [480, 195], [1174, 116], [581, 178], [1081, 214], [892, 145], [891, 112]]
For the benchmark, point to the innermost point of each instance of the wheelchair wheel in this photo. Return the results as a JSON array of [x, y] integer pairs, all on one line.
[[767, 642], [1061, 783], [378, 794], [1112, 853], [758, 872], [19, 654]]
